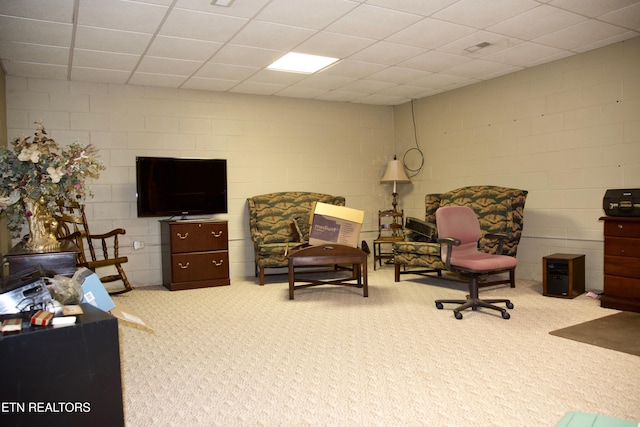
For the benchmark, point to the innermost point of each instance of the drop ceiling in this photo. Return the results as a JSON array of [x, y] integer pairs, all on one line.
[[391, 51]]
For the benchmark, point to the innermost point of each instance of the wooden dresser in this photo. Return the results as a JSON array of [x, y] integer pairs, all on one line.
[[195, 254], [621, 263]]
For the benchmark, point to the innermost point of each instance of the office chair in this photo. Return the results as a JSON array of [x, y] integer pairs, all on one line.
[[459, 233]]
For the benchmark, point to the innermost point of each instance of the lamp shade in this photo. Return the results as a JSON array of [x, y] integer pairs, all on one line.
[[395, 173]]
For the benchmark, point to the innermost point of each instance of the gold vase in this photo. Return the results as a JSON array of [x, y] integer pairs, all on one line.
[[42, 226]]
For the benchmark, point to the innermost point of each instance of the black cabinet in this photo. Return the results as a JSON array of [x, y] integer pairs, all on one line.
[[54, 376]]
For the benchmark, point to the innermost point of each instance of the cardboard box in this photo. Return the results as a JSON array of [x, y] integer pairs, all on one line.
[[96, 294], [333, 224]]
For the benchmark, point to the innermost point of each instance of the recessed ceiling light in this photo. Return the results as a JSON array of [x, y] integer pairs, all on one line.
[[223, 3], [302, 63], [477, 47]]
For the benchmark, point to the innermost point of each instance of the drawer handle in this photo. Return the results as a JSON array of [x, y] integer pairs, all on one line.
[[218, 263], [183, 266], [181, 236], [216, 234], [620, 226]]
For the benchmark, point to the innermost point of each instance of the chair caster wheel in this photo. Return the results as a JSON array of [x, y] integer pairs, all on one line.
[[505, 315], [458, 315], [439, 305], [509, 305]]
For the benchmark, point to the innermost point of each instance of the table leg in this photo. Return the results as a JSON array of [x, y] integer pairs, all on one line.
[[291, 280], [365, 288]]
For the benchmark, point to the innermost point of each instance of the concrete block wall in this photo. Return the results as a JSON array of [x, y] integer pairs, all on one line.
[[565, 131], [270, 143]]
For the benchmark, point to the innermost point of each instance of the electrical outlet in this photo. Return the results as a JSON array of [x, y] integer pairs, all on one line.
[[137, 244]]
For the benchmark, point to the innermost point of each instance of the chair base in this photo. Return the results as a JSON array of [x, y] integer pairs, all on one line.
[[474, 304]]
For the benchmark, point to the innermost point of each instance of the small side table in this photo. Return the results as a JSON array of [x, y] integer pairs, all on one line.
[[61, 261], [390, 226], [330, 255]]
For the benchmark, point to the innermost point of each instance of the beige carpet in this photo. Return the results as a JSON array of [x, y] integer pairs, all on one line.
[[620, 332], [245, 355]]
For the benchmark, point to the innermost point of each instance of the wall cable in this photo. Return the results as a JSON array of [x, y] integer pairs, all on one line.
[[416, 171]]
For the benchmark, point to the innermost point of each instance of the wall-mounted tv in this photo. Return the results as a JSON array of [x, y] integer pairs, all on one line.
[[180, 186]]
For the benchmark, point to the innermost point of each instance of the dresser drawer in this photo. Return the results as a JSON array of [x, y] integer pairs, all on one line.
[[622, 287], [196, 237], [619, 246], [200, 266], [621, 228], [621, 266]]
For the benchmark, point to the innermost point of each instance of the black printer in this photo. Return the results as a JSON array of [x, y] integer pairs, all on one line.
[[622, 202]]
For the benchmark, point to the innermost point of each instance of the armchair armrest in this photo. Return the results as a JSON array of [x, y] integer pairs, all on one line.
[[501, 239], [449, 243]]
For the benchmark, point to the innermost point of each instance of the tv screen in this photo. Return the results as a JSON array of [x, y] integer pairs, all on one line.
[[180, 186]]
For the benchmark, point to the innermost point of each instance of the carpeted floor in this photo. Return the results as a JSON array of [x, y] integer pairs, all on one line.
[[620, 332], [245, 355]]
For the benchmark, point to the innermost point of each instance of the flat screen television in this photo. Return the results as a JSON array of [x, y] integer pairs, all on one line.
[[169, 186]]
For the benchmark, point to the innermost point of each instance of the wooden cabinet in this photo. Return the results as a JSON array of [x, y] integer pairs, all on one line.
[[195, 254], [621, 263], [563, 275]]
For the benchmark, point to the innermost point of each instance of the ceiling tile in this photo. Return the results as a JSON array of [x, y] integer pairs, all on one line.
[[100, 75], [497, 42], [174, 47], [526, 53], [430, 34], [217, 85], [305, 13], [576, 36], [271, 36], [482, 13], [174, 67], [159, 80], [628, 17], [365, 21], [121, 15], [246, 56], [103, 39], [106, 60], [25, 52], [333, 44], [419, 7], [30, 69], [201, 26], [592, 8], [353, 69], [536, 22], [397, 75], [225, 71], [240, 9], [33, 31], [435, 61], [477, 69], [55, 10], [387, 53]]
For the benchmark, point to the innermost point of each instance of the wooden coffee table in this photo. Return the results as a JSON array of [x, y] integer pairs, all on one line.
[[324, 255]]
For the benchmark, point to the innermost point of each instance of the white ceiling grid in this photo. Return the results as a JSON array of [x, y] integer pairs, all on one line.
[[391, 51]]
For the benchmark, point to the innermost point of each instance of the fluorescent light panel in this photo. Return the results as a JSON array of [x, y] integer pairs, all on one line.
[[223, 3], [301, 63]]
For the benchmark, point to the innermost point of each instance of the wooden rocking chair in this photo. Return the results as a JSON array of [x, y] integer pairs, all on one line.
[[72, 225]]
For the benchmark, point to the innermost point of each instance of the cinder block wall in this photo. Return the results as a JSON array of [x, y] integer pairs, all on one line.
[[270, 143], [566, 131]]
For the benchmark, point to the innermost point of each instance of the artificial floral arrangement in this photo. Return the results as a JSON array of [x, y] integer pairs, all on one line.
[[37, 174]]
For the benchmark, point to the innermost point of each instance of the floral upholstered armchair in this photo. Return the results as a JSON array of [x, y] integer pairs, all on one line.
[[279, 222], [499, 209]]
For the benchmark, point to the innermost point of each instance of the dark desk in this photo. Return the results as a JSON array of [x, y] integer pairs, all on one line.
[[61, 261], [62, 376], [330, 255]]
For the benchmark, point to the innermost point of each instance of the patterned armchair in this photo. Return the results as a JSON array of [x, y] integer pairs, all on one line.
[[279, 222], [500, 210]]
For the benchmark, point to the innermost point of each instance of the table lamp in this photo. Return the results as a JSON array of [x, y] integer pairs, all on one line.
[[395, 173]]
